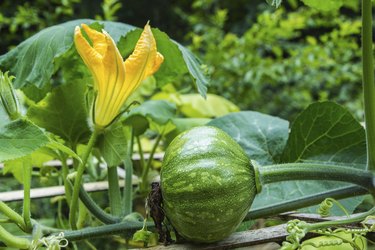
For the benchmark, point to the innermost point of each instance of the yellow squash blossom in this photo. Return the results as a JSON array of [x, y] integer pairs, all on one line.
[[115, 80]]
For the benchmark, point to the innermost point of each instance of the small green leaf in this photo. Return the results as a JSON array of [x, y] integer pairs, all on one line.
[[112, 145], [16, 167], [194, 105], [324, 5], [154, 114], [63, 113], [263, 137], [55, 145], [196, 69], [20, 138]]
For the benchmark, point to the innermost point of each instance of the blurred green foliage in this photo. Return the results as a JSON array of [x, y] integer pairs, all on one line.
[[272, 61], [286, 59]]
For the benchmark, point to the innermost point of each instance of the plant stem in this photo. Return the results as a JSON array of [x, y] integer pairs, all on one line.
[[65, 173], [354, 219], [127, 227], [78, 178], [316, 171], [95, 210], [128, 164], [12, 215], [26, 213], [144, 183], [114, 191], [141, 153], [13, 241], [82, 215], [306, 201], [368, 81]]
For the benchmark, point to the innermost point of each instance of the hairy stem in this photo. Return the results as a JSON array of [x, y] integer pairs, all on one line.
[[26, 213], [78, 179], [128, 164], [368, 81], [144, 183], [354, 219], [12, 215], [316, 171], [126, 227], [13, 241], [114, 193], [95, 210], [293, 204], [65, 173]]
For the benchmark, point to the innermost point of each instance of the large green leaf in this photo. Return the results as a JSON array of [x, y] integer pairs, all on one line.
[[153, 114], [20, 138], [263, 137], [326, 133], [33, 62], [63, 113], [112, 145]]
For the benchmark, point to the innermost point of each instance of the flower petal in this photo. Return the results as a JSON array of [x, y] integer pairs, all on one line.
[[88, 53], [98, 39], [143, 62], [107, 107], [159, 59]]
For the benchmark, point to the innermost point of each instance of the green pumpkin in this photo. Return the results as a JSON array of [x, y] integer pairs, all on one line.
[[207, 183]]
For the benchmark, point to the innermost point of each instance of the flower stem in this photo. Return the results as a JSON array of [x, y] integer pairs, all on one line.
[[13, 241], [316, 171], [128, 164], [78, 178], [26, 213], [368, 81], [114, 191]]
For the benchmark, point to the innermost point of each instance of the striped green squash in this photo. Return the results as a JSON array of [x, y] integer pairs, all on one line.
[[207, 183]]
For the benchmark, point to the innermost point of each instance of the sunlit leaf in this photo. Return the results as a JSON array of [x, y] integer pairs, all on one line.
[[154, 114], [195, 106]]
